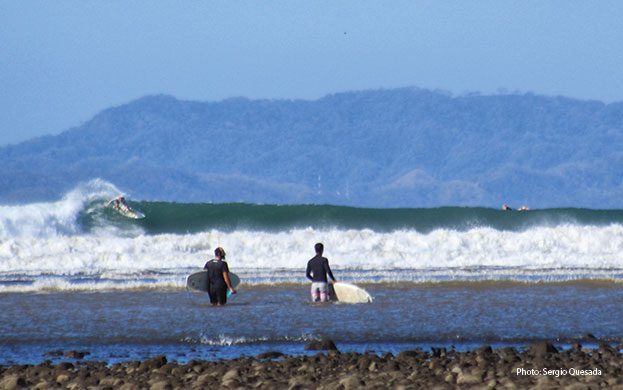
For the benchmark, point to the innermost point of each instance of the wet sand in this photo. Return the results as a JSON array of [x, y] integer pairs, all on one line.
[[540, 365]]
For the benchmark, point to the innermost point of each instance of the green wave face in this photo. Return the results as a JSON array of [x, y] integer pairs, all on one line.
[[164, 217]]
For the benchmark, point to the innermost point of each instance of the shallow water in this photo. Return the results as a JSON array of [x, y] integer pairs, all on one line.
[[128, 325]]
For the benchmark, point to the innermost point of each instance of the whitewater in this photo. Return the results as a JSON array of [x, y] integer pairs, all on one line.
[[79, 244]]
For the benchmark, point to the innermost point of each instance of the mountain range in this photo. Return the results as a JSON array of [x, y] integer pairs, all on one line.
[[404, 147]]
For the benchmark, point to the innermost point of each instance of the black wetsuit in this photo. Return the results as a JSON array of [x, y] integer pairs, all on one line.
[[217, 288], [318, 268]]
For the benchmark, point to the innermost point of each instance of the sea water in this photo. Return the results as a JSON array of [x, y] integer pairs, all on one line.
[[76, 275]]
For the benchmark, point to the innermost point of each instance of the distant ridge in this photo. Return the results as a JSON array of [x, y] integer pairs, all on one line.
[[383, 148]]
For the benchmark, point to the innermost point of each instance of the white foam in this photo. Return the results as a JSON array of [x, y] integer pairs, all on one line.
[[111, 262], [224, 340]]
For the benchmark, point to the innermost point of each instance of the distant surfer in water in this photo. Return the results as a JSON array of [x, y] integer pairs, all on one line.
[[522, 208], [218, 278], [317, 270]]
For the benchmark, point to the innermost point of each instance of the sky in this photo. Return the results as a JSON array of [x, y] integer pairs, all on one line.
[[62, 62]]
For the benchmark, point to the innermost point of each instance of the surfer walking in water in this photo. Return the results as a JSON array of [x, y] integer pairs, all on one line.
[[317, 270], [218, 278]]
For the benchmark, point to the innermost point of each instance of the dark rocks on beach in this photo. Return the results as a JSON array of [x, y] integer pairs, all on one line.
[[75, 354], [414, 354], [484, 367], [576, 345], [270, 355], [541, 349], [321, 345], [153, 363], [78, 355]]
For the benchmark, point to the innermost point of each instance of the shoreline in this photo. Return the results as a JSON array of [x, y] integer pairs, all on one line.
[[540, 364]]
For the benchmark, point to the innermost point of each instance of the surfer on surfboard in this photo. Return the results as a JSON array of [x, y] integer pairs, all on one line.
[[317, 270], [119, 203], [122, 207]]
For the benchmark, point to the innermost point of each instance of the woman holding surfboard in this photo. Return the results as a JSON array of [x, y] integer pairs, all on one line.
[[218, 278]]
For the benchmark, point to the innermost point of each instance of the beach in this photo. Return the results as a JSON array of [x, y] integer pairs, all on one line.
[[540, 365]]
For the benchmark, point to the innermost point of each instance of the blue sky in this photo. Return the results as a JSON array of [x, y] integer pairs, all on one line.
[[61, 62]]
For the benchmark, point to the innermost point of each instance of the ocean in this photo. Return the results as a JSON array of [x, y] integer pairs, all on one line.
[[75, 275]]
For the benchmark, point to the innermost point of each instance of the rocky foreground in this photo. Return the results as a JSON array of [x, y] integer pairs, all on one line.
[[540, 366]]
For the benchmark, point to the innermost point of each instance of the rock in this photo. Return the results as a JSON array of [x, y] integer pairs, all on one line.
[[298, 382], [11, 382], [305, 368], [161, 385], [153, 363], [473, 378], [43, 385], [409, 354], [542, 349], [438, 352], [270, 355], [351, 382], [456, 369], [321, 345], [110, 381], [577, 386], [75, 354], [392, 366], [202, 379], [606, 349], [65, 366], [62, 378], [75, 385], [231, 379]]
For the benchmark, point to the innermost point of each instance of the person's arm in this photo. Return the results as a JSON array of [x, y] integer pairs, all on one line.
[[226, 277], [328, 269], [308, 272]]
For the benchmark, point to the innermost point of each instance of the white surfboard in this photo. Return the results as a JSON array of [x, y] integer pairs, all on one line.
[[130, 212], [349, 293], [126, 210]]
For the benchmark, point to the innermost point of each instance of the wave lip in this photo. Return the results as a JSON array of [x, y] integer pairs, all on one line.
[[59, 218]]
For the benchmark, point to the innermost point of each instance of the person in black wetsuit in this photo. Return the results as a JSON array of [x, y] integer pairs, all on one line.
[[218, 278], [317, 270]]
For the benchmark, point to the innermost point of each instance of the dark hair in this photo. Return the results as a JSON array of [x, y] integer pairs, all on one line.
[[319, 248], [219, 252]]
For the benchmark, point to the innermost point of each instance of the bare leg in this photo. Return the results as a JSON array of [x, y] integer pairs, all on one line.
[[315, 295]]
